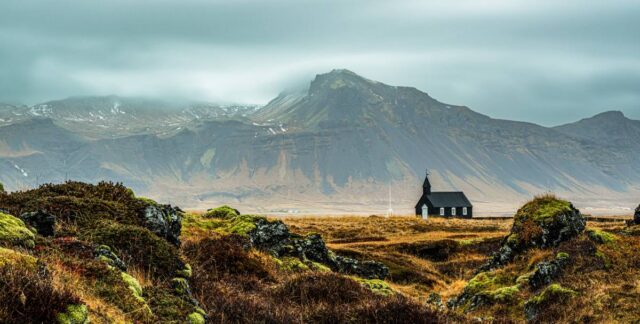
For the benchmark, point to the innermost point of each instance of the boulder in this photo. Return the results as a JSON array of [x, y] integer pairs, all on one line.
[[42, 221], [544, 222], [271, 236], [165, 221], [636, 216]]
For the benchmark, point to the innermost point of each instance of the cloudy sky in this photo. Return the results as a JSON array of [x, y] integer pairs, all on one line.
[[543, 61]]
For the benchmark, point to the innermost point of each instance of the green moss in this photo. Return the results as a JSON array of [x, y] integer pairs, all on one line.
[[376, 285], [147, 201], [542, 209], [133, 285], [13, 231], [553, 293], [180, 286], [185, 272], [291, 264], [562, 255], [74, 314], [195, 318], [167, 306], [601, 236], [504, 294], [316, 266], [241, 224], [524, 279], [221, 212]]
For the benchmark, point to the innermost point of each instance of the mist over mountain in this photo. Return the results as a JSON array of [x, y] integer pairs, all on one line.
[[345, 141]]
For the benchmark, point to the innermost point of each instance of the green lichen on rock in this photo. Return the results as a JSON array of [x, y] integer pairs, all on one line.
[[221, 212], [195, 318], [242, 224], [14, 232], [562, 255], [319, 267], [376, 285], [147, 201], [180, 286], [74, 314], [601, 237]]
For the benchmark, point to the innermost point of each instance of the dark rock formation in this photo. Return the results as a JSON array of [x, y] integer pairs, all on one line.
[[42, 221], [164, 221], [274, 237], [541, 223], [636, 216], [546, 271], [104, 253]]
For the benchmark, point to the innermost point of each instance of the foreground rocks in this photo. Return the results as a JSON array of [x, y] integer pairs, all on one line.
[[275, 238], [164, 221], [42, 221], [541, 223]]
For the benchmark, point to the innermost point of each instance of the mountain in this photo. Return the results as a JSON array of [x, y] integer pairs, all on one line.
[[344, 144], [113, 116]]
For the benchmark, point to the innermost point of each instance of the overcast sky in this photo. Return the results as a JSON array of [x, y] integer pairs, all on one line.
[[547, 62]]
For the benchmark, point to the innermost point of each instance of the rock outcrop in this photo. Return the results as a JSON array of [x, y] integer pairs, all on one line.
[[275, 238], [636, 216], [543, 222], [164, 221], [42, 221]]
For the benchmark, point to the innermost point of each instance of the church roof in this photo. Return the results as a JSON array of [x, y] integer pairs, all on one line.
[[449, 199]]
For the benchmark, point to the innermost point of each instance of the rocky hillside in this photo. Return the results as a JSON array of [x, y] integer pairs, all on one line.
[[344, 139], [550, 268], [79, 253]]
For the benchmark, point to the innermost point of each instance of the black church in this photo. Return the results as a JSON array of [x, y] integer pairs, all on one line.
[[443, 203]]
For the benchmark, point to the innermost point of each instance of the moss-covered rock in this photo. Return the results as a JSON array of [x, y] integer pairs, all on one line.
[[222, 212], [543, 222], [13, 232], [74, 314], [487, 288]]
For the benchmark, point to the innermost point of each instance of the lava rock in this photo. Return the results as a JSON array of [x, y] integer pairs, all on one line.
[[636, 216], [546, 271], [104, 253], [165, 221], [541, 223], [42, 221], [273, 237]]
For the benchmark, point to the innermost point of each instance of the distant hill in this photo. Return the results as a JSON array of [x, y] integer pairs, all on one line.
[[341, 145]]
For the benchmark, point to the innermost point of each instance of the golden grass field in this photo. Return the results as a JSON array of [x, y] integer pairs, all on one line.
[[436, 255]]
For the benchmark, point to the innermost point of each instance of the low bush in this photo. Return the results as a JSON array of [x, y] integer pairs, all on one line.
[[28, 296], [139, 247]]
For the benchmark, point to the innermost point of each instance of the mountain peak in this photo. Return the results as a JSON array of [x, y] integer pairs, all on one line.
[[609, 115]]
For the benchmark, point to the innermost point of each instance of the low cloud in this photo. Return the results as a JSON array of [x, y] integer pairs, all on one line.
[[546, 62]]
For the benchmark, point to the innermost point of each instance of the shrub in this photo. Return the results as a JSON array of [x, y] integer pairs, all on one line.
[[138, 246], [28, 296]]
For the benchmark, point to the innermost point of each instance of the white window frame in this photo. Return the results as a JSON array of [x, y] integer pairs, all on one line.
[[441, 211], [453, 211], [464, 211]]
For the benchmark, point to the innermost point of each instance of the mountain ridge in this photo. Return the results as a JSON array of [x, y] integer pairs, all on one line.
[[345, 140]]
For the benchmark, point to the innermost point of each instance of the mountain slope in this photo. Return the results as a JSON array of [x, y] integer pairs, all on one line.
[[343, 144]]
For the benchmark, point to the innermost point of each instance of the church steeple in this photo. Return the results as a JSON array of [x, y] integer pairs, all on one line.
[[426, 186]]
